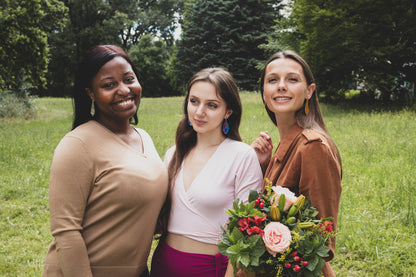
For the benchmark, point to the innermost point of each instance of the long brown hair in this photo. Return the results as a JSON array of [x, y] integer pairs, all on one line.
[[312, 120], [227, 89], [186, 137]]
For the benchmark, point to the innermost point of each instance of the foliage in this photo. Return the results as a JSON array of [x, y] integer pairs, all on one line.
[[296, 245], [24, 27], [120, 22], [377, 218], [225, 34], [151, 57], [286, 34], [18, 106], [351, 42]]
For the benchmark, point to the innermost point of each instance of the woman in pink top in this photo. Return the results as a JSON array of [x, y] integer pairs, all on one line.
[[208, 169]]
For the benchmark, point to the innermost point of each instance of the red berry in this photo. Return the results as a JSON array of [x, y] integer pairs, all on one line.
[[294, 254], [256, 202], [296, 268], [297, 258], [288, 265], [261, 205], [305, 263]]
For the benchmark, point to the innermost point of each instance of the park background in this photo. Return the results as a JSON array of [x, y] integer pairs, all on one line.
[[363, 54]]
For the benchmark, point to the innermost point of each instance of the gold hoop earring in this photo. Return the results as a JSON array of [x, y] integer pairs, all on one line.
[[307, 107]]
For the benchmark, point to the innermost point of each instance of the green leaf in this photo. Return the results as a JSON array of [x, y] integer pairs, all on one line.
[[235, 236], [323, 250], [313, 263], [253, 195], [235, 204], [245, 259]]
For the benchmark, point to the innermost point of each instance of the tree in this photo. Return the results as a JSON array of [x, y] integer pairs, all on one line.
[[151, 58], [24, 26], [120, 22], [87, 25], [370, 41], [225, 33], [139, 18]]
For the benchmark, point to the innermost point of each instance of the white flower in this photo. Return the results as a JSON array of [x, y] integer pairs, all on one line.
[[289, 196]]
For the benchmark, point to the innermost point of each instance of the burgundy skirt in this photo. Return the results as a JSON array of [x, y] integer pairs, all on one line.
[[168, 261]]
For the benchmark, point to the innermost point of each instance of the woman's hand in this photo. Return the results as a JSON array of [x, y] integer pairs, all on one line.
[[263, 146]]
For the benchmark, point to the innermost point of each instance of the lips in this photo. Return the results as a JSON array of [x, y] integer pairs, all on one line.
[[199, 122]]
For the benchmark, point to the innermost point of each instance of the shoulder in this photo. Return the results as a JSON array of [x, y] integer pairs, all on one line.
[[88, 132], [145, 135], [170, 151], [316, 146], [237, 152], [238, 147], [169, 154], [310, 135]]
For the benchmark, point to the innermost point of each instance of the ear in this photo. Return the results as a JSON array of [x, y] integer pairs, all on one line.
[[228, 113], [90, 93], [310, 90]]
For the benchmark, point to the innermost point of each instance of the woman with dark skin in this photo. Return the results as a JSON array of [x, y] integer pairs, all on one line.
[[306, 160], [107, 182]]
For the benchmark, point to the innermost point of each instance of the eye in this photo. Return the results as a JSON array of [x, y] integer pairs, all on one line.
[[193, 101], [212, 105], [109, 85], [130, 79], [272, 80]]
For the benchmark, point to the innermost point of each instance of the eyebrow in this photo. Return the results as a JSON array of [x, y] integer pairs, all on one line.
[[208, 100], [111, 77], [291, 72]]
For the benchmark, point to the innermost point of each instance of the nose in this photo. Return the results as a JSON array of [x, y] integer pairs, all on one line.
[[123, 89], [281, 85], [200, 110]]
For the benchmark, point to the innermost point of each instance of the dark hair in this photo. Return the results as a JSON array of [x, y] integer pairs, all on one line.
[[314, 119], [91, 63]]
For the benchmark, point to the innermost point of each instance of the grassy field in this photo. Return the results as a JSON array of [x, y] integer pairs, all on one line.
[[377, 221]]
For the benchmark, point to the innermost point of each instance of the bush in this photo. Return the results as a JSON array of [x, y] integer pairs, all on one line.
[[14, 106]]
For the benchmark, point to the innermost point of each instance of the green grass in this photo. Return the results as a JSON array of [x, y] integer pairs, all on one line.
[[377, 221]]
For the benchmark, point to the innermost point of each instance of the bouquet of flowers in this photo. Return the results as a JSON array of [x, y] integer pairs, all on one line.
[[276, 233]]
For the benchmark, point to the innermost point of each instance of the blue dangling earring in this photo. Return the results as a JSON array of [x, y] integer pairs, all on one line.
[[189, 122], [225, 127]]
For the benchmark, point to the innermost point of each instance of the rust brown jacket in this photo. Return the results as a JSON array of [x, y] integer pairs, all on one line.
[[305, 163]]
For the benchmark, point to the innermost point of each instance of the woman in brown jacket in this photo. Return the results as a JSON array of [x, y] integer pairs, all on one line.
[[306, 159]]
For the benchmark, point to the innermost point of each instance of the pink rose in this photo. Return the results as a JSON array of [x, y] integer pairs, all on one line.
[[290, 197], [277, 238]]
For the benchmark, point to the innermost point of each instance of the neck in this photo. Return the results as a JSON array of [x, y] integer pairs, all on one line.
[[122, 127], [284, 123], [209, 140]]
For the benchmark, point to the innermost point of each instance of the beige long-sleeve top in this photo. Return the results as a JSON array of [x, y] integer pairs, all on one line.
[[104, 200]]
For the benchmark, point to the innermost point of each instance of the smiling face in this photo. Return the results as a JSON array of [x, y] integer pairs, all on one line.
[[115, 91], [285, 88], [206, 110]]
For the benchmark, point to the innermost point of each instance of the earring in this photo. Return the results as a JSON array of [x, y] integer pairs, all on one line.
[[225, 127], [307, 107], [92, 110], [189, 122]]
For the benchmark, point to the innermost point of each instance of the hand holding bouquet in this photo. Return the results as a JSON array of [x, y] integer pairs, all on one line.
[[278, 233]]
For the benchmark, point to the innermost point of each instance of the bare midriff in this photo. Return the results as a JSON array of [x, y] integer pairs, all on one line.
[[185, 244]]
